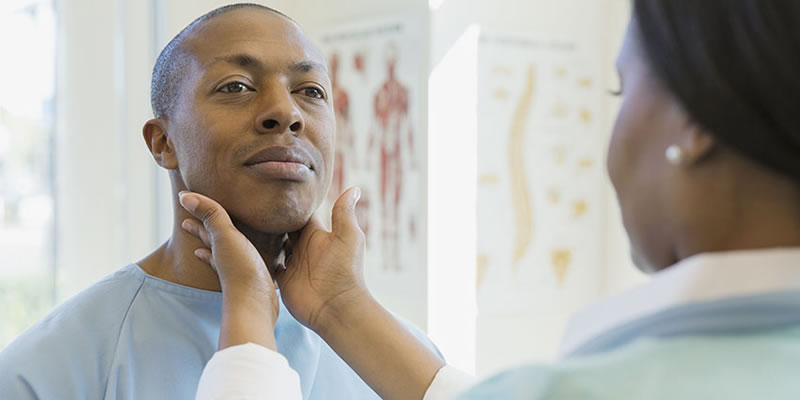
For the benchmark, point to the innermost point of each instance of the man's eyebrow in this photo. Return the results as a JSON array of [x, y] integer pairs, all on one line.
[[248, 61], [305, 66], [242, 60]]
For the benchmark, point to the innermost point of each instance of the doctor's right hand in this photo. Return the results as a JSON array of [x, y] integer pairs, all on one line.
[[323, 287]]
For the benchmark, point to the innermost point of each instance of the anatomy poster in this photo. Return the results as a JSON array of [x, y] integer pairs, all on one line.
[[375, 72], [541, 193]]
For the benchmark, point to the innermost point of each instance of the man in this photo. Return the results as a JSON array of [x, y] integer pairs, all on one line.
[[243, 115]]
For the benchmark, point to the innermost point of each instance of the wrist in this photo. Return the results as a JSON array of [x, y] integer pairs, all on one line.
[[248, 319], [243, 281], [251, 298], [344, 312]]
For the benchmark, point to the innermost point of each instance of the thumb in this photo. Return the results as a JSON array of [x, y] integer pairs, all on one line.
[[214, 218], [344, 221]]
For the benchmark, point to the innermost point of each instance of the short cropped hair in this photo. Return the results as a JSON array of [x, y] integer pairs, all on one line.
[[174, 59]]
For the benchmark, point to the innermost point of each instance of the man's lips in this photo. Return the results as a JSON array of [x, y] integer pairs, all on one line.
[[283, 154], [282, 163]]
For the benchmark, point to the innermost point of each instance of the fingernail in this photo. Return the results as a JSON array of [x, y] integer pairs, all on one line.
[[189, 203], [357, 196]]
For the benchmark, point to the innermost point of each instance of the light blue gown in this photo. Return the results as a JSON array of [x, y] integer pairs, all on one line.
[[133, 336], [745, 347]]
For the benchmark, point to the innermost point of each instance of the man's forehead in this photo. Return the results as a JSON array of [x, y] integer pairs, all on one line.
[[251, 32]]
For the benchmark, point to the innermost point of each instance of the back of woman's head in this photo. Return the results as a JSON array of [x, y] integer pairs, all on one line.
[[734, 65]]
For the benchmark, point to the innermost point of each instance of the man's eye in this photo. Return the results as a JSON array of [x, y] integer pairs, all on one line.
[[234, 87], [314, 93]]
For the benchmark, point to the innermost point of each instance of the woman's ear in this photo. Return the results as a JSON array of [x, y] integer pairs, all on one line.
[[160, 144], [696, 143]]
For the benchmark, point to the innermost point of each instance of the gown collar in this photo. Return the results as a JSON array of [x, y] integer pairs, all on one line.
[[704, 294]]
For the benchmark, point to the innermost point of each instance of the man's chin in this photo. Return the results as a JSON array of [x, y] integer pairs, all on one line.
[[270, 212], [270, 225]]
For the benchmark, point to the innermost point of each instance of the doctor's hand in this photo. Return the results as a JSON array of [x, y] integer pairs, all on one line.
[[325, 270], [249, 300], [323, 287]]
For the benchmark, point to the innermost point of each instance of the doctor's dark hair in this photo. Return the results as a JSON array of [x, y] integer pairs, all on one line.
[[173, 61], [734, 65]]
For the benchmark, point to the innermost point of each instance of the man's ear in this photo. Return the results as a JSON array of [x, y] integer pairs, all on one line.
[[160, 145]]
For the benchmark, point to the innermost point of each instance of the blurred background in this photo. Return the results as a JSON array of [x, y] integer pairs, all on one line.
[[476, 129]]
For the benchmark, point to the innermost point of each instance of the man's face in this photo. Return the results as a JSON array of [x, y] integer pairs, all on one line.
[[253, 127]]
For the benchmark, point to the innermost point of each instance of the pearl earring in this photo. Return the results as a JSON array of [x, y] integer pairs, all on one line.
[[674, 154]]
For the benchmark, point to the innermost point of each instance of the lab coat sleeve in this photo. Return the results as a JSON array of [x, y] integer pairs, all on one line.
[[447, 383], [248, 371]]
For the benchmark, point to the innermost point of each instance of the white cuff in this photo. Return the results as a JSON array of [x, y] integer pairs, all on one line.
[[447, 383], [248, 371]]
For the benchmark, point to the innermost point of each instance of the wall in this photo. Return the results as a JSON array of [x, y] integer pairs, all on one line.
[[104, 174], [505, 339]]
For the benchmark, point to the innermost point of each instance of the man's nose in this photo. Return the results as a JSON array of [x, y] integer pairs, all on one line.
[[280, 113]]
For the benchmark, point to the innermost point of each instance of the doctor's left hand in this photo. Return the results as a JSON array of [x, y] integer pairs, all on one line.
[[324, 276]]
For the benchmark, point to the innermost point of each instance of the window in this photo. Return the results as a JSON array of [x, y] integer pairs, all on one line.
[[27, 85]]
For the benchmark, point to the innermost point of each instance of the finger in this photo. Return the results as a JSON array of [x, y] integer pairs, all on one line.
[[214, 218], [204, 254], [344, 221], [196, 229]]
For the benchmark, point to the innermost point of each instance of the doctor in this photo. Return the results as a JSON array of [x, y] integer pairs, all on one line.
[[705, 160]]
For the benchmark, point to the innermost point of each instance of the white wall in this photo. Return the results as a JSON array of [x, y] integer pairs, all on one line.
[[504, 340], [104, 176]]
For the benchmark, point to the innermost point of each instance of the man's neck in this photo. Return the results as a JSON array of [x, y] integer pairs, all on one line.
[[175, 261]]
